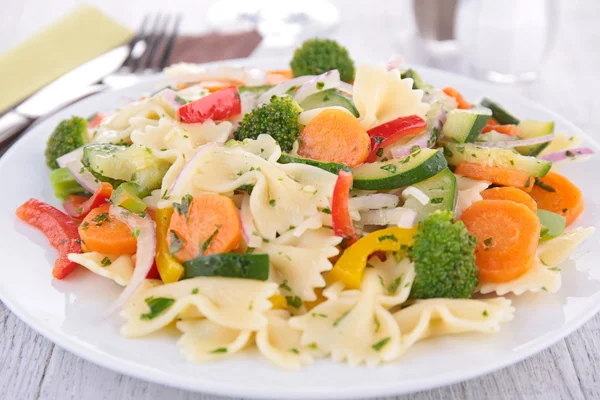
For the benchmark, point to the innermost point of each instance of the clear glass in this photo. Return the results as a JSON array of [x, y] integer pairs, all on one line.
[[506, 41]]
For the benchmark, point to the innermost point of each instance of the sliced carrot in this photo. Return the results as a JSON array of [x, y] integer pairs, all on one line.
[[211, 225], [507, 237], [461, 102], [335, 136], [105, 234], [556, 193], [215, 86], [510, 193], [498, 175], [510, 130], [276, 76], [493, 121]]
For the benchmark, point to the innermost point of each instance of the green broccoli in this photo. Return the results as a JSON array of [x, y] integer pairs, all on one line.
[[279, 119], [317, 56], [68, 135], [444, 257]]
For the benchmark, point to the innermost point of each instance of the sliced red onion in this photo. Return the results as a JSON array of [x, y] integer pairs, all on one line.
[[189, 168], [328, 80], [83, 176], [416, 193], [394, 62], [373, 202], [146, 249], [283, 87], [570, 154], [75, 155], [402, 217], [421, 141], [520, 142], [249, 230]]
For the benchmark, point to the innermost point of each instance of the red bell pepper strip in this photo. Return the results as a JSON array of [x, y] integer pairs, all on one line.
[[389, 133], [217, 106], [95, 121], [77, 207], [60, 230], [153, 273], [340, 214]]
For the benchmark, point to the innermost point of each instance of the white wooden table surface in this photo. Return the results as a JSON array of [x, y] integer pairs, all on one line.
[[32, 367]]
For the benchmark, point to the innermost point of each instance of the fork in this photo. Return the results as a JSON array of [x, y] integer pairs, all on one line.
[[147, 52]]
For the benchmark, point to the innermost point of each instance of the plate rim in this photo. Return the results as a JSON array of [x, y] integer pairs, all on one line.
[[148, 374]]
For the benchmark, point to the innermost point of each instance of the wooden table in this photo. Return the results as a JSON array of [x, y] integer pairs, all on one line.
[[33, 367]]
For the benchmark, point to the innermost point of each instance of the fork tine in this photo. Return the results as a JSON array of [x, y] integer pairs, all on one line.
[[156, 41], [168, 49], [139, 35]]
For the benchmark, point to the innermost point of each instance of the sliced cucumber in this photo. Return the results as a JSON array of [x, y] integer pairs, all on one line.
[[332, 167], [135, 164], [418, 82], [397, 173], [464, 126], [441, 190], [229, 265], [552, 224], [499, 113], [531, 129], [257, 90], [496, 157], [329, 98]]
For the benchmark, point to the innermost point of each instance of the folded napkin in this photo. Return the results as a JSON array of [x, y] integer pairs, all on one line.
[[76, 38]]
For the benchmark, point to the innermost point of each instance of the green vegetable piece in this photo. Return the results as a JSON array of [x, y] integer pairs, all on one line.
[[230, 265], [553, 223], [444, 257], [329, 98], [129, 195], [157, 305], [64, 184], [332, 167], [317, 56], [279, 119], [68, 136], [257, 90]]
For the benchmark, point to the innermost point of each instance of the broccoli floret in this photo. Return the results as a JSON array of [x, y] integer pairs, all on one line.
[[444, 257], [279, 119], [317, 56], [68, 135]]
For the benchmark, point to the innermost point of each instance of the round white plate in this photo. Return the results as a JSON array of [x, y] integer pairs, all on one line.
[[69, 312]]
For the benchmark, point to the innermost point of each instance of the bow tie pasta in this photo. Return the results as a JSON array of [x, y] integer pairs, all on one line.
[[117, 268]]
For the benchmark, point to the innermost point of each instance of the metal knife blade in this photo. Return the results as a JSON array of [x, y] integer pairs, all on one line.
[[70, 86]]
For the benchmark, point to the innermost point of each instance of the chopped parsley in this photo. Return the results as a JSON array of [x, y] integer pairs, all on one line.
[[157, 305], [379, 152], [250, 250], [183, 208], [295, 350], [389, 168], [320, 85], [180, 100], [377, 323], [207, 242], [319, 315], [488, 242], [100, 219], [326, 211], [379, 345], [485, 313], [285, 286], [528, 183], [294, 301], [544, 186], [337, 321], [415, 148], [460, 149], [85, 225], [448, 152], [105, 262], [569, 153], [378, 139], [387, 237], [136, 232], [195, 290], [437, 200], [272, 202], [220, 350]]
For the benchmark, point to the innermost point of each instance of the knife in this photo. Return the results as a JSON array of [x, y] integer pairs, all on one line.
[[74, 85]]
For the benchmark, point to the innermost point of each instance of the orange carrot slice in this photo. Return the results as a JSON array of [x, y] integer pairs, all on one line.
[[105, 234], [275, 77], [507, 237], [461, 102], [556, 193], [211, 225], [512, 194], [510, 130], [335, 136], [498, 175]]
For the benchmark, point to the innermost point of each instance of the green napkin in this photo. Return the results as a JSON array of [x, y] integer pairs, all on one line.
[[81, 35]]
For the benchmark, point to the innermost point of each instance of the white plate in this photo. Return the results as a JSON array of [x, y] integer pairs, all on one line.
[[69, 312]]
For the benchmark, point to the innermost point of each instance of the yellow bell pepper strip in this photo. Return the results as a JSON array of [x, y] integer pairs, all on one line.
[[350, 266], [320, 299], [168, 268], [278, 301]]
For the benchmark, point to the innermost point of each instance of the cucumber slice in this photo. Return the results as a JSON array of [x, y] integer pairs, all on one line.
[[441, 190], [397, 173], [532, 129], [418, 82], [229, 265], [257, 90], [499, 113], [64, 184], [495, 156], [552, 224], [464, 126], [135, 164], [129, 195], [332, 167], [329, 98]]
